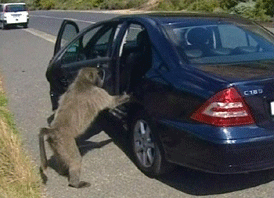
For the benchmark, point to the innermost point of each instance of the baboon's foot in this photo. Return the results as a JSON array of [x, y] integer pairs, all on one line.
[[50, 119], [43, 175], [63, 171], [74, 179], [81, 184]]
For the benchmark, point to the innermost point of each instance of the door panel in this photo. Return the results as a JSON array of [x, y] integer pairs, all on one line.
[[69, 71], [92, 48]]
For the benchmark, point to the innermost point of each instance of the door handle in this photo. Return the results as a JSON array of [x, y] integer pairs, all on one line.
[[102, 75]]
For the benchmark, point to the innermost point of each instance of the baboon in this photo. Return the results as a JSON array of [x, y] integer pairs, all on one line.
[[78, 107]]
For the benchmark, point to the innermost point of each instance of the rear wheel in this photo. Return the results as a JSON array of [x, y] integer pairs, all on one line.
[[25, 25], [3, 26], [147, 152]]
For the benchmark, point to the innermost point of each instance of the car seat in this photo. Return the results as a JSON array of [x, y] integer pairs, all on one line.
[[137, 63], [198, 40]]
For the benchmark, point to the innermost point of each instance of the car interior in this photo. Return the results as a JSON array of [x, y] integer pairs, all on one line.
[[210, 44], [135, 61]]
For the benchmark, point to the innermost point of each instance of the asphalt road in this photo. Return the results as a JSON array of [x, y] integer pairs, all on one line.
[[24, 55]]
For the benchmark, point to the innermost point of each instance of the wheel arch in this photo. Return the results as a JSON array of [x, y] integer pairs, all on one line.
[[160, 166]]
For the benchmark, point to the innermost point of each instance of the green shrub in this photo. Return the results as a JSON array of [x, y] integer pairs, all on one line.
[[36, 4], [228, 4], [252, 10], [165, 5], [174, 4], [246, 9], [134, 3], [47, 4], [121, 4], [95, 3], [204, 5], [266, 5], [113, 4]]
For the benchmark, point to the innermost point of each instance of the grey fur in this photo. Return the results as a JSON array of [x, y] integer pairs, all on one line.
[[78, 107]]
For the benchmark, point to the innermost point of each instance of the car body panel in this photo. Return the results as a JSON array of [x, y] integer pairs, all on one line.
[[14, 13], [174, 87], [216, 150]]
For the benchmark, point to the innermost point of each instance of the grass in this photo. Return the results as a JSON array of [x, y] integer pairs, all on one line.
[[18, 176]]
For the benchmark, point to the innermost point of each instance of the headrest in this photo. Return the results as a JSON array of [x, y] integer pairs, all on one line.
[[142, 38], [198, 36]]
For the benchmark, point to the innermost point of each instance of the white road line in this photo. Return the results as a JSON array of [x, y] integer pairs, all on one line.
[[51, 17], [49, 37], [270, 29]]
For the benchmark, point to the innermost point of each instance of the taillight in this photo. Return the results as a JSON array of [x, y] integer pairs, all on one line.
[[226, 108]]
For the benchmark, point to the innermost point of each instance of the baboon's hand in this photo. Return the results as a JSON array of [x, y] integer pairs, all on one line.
[[124, 98], [118, 100]]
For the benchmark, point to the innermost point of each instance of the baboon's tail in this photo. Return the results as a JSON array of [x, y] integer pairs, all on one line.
[[43, 155]]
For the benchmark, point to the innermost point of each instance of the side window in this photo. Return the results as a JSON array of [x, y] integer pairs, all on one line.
[[252, 42], [135, 57], [233, 37], [130, 38], [1, 8], [133, 31], [69, 33], [86, 37], [98, 45], [92, 44]]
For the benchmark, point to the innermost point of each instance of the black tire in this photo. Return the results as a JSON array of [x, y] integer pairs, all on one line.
[[146, 149], [25, 25], [3, 26]]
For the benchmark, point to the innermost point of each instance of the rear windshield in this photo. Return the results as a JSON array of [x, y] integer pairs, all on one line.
[[217, 41], [15, 8]]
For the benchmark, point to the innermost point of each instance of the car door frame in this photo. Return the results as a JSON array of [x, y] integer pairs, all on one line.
[[117, 52]]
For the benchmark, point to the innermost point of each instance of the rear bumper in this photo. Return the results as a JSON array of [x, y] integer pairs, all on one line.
[[224, 156], [16, 22]]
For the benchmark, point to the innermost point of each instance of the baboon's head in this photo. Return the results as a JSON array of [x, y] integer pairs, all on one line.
[[91, 75]]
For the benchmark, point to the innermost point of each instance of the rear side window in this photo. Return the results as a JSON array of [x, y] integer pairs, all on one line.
[[232, 37], [220, 42], [15, 8], [130, 38]]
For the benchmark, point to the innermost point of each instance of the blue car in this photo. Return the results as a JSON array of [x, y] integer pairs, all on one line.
[[202, 87]]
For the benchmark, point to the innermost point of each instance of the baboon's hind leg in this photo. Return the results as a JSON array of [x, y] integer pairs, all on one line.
[[74, 160], [61, 166]]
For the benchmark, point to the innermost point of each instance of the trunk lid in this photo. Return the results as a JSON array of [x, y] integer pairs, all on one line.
[[255, 82], [259, 95]]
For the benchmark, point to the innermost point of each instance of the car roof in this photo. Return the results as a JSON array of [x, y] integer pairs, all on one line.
[[169, 17], [12, 3]]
